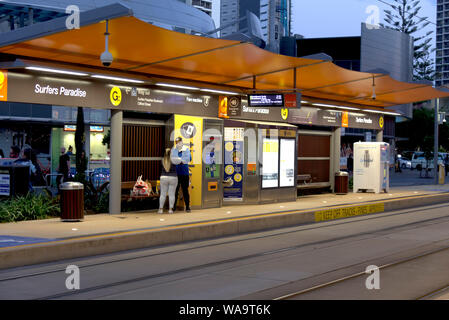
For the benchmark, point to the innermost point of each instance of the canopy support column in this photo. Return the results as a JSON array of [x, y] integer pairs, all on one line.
[[380, 136], [115, 187], [335, 156]]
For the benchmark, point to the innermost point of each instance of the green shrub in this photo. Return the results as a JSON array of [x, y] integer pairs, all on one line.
[[29, 207], [103, 203]]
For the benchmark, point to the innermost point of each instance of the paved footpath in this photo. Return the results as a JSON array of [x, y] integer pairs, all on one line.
[[39, 241]]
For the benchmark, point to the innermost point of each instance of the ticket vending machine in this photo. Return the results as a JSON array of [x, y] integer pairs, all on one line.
[[371, 166], [212, 158]]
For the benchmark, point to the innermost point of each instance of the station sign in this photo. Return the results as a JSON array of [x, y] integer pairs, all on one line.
[[56, 90]]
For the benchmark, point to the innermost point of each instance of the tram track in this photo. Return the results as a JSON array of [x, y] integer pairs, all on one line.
[[223, 262], [324, 225], [363, 274]]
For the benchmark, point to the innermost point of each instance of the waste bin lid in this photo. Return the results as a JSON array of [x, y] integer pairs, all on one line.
[[341, 173], [72, 186]]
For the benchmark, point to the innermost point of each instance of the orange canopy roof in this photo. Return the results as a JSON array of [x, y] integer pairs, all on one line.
[[140, 48]]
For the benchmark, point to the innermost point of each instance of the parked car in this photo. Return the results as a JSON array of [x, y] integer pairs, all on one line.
[[404, 162], [419, 161]]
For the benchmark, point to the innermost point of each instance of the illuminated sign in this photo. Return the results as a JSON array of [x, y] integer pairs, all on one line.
[[266, 100], [270, 158], [72, 128], [287, 163]]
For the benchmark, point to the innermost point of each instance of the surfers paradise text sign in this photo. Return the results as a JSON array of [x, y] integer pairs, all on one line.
[[40, 89]]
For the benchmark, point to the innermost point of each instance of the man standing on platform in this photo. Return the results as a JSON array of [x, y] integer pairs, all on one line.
[[182, 171]]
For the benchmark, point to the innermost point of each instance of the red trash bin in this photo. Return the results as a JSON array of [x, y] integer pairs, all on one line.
[[72, 201], [341, 182]]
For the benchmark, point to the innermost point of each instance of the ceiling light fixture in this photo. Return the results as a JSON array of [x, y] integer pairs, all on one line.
[[382, 112], [219, 91], [99, 76], [73, 73], [176, 86], [333, 106]]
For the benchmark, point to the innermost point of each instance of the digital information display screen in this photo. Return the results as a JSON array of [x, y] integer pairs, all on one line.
[[287, 163], [266, 100], [270, 168]]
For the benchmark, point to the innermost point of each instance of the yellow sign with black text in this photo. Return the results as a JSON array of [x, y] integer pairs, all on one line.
[[115, 96], [339, 213]]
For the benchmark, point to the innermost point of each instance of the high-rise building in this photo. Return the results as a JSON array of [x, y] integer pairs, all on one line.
[[203, 5], [274, 16], [442, 52], [168, 14]]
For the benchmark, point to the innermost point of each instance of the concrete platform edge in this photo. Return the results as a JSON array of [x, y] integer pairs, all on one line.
[[102, 244]]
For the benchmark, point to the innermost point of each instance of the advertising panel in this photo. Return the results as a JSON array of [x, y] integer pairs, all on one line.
[[191, 131], [3, 85], [5, 183], [287, 163], [315, 116], [233, 166], [270, 158]]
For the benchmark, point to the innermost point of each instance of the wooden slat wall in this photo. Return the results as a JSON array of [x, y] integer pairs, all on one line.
[[318, 169], [314, 146], [150, 170], [141, 142]]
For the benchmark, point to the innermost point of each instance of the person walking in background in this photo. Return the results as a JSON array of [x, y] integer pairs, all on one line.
[[25, 159], [64, 167], [169, 180], [14, 152], [182, 170], [446, 164], [2, 155], [350, 164]]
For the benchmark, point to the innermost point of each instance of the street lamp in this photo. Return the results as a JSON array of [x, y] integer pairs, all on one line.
[[441, 117]]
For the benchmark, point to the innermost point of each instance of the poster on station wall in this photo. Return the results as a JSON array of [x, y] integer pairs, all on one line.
[[191, 131], [3, 85], [5, 183], [270, 167], [287, 163], [233, 166]]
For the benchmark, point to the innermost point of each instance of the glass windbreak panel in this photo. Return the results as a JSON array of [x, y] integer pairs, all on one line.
[[270, 160], [287, 163]]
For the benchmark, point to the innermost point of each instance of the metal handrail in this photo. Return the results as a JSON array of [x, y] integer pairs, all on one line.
[[51, 175]]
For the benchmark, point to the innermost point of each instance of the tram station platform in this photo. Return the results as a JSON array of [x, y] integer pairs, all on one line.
[[40, 241]]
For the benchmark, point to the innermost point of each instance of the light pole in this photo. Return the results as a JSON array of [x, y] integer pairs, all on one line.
[[435, 146]]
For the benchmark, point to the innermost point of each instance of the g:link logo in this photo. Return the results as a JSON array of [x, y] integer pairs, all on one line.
[[115, 96]]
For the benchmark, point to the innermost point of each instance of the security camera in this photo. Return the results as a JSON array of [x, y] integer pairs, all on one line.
[[106, 58]]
